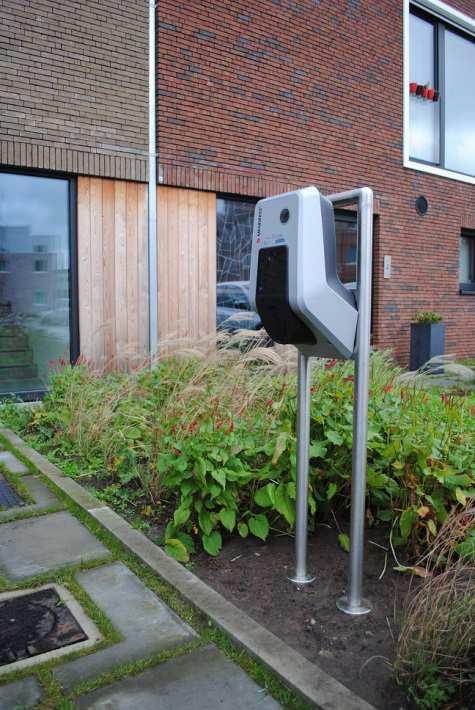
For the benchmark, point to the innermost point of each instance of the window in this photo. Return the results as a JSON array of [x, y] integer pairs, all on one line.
[[234, 241], [346, 245], [233, 262], [41, 265], [36, 236], [467, 261], [39, 298], [441, 94], [459, 103]]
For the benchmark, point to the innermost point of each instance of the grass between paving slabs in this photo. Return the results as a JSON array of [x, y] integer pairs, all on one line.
[[24, 514], [14, 479], [208, 633]]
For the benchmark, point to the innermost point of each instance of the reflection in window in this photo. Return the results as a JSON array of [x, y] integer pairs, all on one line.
[[41, 265], [233, 248], [459, 103], [34, 313], [346, 246], [234, 226], [40, 298], [234, 241], [424, 115]]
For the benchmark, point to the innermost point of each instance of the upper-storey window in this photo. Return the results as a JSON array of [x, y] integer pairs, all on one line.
[[442, 94]]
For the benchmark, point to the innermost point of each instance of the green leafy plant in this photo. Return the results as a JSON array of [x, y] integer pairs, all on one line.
[[432, 690], [204, 446], [427, 317]]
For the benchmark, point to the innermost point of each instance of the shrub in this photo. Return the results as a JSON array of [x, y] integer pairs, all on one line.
[[435, 658], [427, 317], [206, 444]]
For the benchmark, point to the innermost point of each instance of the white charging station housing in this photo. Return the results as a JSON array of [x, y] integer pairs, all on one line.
[[294, 282]]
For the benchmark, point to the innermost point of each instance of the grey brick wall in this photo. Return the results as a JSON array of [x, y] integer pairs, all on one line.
[[73, 86]]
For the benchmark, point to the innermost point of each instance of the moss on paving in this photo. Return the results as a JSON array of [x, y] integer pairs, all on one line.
[[208, 633], [23, 514], [14, 479]]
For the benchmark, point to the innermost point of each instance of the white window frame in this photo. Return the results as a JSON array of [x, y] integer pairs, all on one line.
[[463, 22]]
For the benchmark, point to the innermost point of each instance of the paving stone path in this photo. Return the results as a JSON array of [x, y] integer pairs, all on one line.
[[53, 539]]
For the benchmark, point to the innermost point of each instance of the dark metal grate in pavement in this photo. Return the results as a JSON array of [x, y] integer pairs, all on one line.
[[31, 624], [9, 498]]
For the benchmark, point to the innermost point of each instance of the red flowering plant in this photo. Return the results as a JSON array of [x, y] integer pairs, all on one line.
[[204, 447]]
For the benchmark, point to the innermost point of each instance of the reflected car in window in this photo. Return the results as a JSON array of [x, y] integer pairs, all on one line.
[[233, 310]]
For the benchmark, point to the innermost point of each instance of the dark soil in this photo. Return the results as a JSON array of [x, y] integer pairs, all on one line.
[[355, 650]]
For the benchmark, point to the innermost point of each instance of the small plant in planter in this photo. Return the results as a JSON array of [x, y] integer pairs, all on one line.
[[427, 317], [427, 339]]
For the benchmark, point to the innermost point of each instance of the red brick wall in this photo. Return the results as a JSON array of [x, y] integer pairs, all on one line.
[[262, 95]]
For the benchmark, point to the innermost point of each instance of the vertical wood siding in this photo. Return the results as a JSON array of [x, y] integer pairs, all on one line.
[[113, 269], [186, 226]]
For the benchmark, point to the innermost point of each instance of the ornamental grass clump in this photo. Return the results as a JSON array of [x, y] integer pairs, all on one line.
[[203, 444], [435, 655]]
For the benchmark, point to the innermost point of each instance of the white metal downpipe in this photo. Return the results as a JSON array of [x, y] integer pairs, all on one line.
[[152, 187]]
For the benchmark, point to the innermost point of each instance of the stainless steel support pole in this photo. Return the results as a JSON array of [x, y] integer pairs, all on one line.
[[353, 602], [301, 575], [152, 188]]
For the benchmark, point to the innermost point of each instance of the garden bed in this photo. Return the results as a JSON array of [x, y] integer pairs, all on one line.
[[200, 453], [357, 651]]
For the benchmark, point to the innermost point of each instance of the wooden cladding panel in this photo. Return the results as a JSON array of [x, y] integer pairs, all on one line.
[[113, 269], [113, 279], [186, 227]]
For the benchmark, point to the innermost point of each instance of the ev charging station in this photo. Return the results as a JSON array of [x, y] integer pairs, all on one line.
[[301, 301]]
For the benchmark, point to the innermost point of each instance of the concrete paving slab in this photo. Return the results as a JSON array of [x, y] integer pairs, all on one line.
[[41, 494], [29, 547], [310, 681], [201, 680], [12, 463], [20, 695], [146, 623], [306, 678]]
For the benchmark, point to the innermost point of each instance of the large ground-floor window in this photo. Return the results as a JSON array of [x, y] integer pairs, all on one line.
[[37, 317]]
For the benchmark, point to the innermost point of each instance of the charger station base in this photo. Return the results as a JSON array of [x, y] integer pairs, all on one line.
[[353, 610], [302, 581]]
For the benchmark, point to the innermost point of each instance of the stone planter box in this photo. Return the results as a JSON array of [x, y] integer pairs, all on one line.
[[427, 341]]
